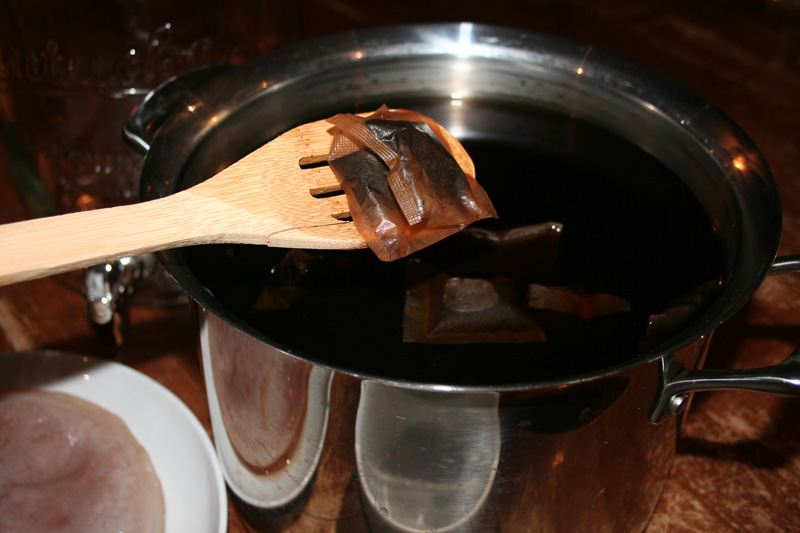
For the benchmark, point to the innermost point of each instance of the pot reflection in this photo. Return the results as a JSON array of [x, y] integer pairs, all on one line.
[[579, 457], [426, 459], [269, 414]]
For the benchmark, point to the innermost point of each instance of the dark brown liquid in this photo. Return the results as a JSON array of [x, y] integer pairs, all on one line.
[[631, 228]]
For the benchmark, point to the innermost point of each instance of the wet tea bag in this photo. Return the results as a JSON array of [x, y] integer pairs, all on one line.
[[680, 311], [571, 316], [404, 189], [525, 254], [291, 281], [295, 275], [442, 309], [470, 288], [575, 301]]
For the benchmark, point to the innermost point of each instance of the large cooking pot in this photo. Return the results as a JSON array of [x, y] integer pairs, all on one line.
[[324, 422]]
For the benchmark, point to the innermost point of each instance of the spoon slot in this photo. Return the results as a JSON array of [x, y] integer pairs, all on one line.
[[326, 185], [313, 161]]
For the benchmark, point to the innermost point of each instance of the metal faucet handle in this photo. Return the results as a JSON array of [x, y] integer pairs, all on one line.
[[108, 286]]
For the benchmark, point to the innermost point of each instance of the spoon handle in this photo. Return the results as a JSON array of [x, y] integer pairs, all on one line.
[[51, 245]]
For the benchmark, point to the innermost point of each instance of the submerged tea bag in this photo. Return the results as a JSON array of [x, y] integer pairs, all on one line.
[[571, 316], [441, 309], [525, 254], [471, 288], [575, 301], [292, 278], [404, 189], [680, 311]]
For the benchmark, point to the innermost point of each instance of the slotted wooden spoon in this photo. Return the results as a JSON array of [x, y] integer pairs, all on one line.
[[278, 195]]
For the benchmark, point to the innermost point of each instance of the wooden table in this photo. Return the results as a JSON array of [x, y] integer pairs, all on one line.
[[738, 462]]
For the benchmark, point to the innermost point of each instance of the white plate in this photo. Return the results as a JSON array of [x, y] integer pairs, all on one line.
[[181, 452]]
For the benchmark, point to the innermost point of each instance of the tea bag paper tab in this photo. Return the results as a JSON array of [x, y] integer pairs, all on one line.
[[404, 189]]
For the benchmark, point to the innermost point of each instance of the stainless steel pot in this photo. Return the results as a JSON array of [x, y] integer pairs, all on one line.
[[310, 443]]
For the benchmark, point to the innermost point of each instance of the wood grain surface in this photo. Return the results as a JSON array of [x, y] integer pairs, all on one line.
[[738, 462]]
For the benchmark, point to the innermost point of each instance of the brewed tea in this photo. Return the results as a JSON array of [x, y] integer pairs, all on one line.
[[631, 228]]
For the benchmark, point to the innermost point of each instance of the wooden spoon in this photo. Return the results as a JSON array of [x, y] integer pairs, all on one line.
[[279, 195]]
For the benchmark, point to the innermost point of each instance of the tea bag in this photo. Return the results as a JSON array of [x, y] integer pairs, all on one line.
[[525, 254], [571, 316], [470, 289], [293, 278], [442, 309], [575, 301], [404, 189], [680, 311], [296, 274]]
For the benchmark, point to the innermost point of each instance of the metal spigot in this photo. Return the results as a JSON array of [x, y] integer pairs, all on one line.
[[108, 287]]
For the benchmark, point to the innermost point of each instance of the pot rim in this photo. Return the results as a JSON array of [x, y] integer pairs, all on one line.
[[759, 226]]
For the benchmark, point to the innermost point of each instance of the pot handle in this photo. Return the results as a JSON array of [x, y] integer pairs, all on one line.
[[677, 381], [148, 117]]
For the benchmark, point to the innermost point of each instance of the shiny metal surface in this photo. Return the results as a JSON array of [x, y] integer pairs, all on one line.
[[308, 449], [785, 264], [307, 446], [676, 381], [422, 450], [108, 287]]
